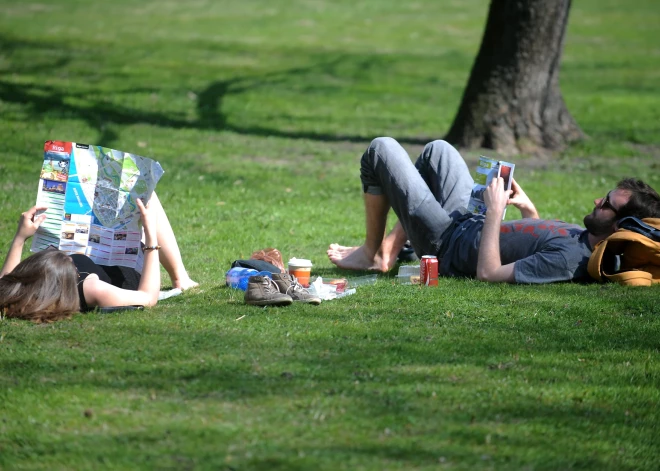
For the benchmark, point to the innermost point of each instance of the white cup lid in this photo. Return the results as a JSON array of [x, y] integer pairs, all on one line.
[[300, 262]]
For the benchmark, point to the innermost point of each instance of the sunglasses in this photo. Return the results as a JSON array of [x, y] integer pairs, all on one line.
[[605, 203]]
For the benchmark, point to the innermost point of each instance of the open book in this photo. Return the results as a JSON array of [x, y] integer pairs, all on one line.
[[90, 192], [487, 170]]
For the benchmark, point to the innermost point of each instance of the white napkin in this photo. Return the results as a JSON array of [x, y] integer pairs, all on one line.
[[168, 294], [327, 291]]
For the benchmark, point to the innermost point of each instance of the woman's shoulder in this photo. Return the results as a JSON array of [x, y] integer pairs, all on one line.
[[92, 285]]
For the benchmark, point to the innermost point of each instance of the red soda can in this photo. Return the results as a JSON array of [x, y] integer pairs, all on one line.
[[428, 270]]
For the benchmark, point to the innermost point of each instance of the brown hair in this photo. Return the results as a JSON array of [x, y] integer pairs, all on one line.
[[644, 201], [42, 288]]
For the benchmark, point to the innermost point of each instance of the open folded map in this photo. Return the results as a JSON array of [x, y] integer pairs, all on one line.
[[90, 192]]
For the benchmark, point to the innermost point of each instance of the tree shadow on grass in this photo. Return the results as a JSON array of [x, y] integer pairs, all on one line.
[[211, 115], [42, 99]]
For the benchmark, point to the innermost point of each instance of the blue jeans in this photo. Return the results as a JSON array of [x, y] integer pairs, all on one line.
[[428, 197]]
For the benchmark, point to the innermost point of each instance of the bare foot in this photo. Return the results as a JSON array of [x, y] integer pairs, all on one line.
[[355, 258], [184, 283], [388, 253]]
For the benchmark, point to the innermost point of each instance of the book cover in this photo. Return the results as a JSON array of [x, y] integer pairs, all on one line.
[[486, 170]]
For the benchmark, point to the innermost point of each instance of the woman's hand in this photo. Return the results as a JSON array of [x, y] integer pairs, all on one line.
[[29, 222], [149, 223], [521, 201]]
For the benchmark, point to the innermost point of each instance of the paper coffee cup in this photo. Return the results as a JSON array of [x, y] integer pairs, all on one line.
[[301, 268]]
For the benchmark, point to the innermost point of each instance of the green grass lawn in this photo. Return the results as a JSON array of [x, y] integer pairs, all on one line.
[[259, 112]]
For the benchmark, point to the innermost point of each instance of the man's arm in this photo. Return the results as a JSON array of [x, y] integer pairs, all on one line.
[[27, 226], [520, 200], [489, 262]]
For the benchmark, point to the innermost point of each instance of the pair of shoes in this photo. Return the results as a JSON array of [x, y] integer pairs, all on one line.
[[288, 284], [262, 291], [281, 290]]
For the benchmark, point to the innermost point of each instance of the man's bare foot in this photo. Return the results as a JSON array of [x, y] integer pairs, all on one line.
[[356, 258], [389, 253]]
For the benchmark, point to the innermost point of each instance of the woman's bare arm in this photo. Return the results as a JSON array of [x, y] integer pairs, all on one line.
[[99, 293], [28, 224]]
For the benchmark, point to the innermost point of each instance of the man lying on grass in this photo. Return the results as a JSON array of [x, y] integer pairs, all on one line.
[[430, 198]]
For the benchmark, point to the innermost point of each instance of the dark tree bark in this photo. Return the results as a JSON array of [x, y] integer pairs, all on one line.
[[512, 102]]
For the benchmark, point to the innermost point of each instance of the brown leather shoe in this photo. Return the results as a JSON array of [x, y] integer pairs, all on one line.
[[288, 284], [262, 291]]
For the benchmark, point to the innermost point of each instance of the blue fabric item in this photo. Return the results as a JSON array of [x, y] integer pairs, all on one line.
[[238, 277], [634, 224]]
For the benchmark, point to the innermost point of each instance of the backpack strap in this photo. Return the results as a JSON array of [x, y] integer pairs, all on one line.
[[593, 266], [628, 257], [632, 278], [637, 250]]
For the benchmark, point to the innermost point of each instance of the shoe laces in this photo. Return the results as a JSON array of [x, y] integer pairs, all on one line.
[[296, 287], [271, 286]]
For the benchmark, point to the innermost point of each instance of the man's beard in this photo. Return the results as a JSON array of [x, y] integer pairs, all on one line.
[[598, 227]]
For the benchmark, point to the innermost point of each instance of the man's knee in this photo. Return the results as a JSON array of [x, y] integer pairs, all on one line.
[[381, 149], [382, 144], [440, 154], [440, 147], [384, 153]]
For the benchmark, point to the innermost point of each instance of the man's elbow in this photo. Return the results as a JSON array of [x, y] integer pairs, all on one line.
[[495, 276], [485, 275]]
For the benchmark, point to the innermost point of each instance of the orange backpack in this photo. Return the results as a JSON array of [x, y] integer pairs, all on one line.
[[630, 256]]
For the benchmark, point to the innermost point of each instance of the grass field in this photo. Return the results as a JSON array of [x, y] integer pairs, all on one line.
[[259, 112]]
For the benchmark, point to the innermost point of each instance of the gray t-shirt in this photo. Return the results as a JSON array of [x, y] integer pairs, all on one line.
[[544, 251]]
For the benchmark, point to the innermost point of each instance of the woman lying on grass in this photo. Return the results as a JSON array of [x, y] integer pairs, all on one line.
[[51, 285]]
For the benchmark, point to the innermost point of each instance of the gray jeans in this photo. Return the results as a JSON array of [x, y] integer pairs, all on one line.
[[428, 197]]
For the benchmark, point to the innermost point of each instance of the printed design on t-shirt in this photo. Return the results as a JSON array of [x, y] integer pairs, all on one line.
[[533, 229]]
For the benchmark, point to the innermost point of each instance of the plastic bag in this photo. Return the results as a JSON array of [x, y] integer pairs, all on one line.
[[238, 277], [270, 255]]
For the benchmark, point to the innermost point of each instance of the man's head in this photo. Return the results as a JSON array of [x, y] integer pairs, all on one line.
[[631, 197], [644, 201]]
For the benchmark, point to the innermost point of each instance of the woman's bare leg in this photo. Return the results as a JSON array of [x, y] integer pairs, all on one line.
[[169, 254]]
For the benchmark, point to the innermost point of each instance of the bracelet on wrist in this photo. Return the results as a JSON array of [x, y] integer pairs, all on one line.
[[150, 247]]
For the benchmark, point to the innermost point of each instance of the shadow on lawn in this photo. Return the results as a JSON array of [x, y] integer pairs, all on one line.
[[376, 387], [100, 114], [389, 421], [334, 354]]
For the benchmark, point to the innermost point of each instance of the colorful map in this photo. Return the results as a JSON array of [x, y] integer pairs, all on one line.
[[91, 194]]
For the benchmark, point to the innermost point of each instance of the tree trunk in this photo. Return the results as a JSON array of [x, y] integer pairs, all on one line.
[[512, 102]]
